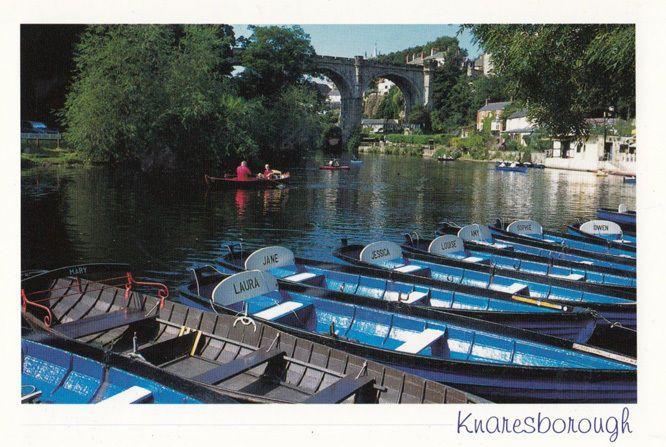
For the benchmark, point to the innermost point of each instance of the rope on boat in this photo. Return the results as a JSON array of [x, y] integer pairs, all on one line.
[[613, 324], [275, 340], [363, 369], [244, 319]]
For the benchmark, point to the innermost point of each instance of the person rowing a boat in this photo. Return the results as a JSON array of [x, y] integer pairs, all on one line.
[[269, 174], [334, 162], [243, 172]]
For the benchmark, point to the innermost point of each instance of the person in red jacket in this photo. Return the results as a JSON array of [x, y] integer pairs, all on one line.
[[243, 172]]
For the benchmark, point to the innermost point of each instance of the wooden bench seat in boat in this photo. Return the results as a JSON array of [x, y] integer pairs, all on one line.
[[493, 244], [102, 322], [407, 268], [414, 297], [418, 342], [570, 276], [305, 277], [274, 359], [514, 289], [276, 312], [473, 259], [132, 395], [363, 388]]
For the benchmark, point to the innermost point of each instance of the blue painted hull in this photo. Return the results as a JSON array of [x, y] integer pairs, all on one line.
[[514, 261], [66, 378], [555, 251], [574, 324], [468, 367], [522, 169], [607, 306], [617, 217], [628, 240]]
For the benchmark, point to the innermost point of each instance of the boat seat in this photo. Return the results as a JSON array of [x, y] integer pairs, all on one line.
[[407, 268], [275, 312], [274, 359], [473, 259], [514, 289], [31, 397], [570, 276], [300, 277], [587, 262], [132, 395], [101, 323], [363, 388], [418, 342], [168, 350]]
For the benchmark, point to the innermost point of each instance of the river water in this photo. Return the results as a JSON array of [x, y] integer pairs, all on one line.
[[163, 225]]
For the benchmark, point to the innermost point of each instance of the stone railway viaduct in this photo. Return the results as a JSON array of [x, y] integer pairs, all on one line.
[[353, 76]]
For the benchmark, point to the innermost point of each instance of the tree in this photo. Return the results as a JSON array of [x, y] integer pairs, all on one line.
[[274, 57], [564, 73], [419, 115], [391, 104]]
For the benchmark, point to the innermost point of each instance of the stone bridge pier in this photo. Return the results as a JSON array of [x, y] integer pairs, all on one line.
[[354, 76]]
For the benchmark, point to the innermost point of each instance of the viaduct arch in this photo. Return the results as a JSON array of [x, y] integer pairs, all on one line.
[[353, 76]]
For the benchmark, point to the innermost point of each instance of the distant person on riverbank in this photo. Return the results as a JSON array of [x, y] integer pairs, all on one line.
[[243, 172]]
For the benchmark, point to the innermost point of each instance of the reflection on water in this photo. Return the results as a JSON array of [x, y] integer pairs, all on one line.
[[165, 224]]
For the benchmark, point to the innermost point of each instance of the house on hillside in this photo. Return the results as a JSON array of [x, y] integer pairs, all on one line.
[[518, 126], [334, 98], [495, 110], [383, 86], [481, 66], [439, 58]]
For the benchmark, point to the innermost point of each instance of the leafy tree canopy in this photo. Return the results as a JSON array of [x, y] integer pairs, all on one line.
[[274, 57], [446, 44], [564, 73]]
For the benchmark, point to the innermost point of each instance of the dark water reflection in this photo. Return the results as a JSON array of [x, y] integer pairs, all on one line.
[[164, 225]]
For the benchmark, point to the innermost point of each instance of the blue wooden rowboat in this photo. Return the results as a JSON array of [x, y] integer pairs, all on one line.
[[604, 231], [621, 216], [495, 236], [616, 307], [629, 180], [510, 167], [452, 247], [56, 376], [496, 362], [404, 293], [207, 355]]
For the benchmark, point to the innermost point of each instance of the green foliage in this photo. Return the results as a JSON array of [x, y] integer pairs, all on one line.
[[475, 145], [564, 72], [446, 44], [160, 95], [354, 140], [274, 57], [420, 115], [391, 104], [511, 145], [417, 139]]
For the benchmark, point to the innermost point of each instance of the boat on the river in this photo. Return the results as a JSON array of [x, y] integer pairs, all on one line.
[[529, 236], [630, 180], [334, 168], [356, 161], [58, 371], [403, 293], [231, 355], [621, 216], [604, 231], [510, 167], [277, 181], [616, 307], [452, 247], [497, 362], [446, 158]]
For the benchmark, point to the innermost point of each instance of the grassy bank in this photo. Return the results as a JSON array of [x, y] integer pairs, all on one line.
[[51, 156]]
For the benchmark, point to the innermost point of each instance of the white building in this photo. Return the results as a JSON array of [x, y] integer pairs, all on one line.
[[590, 154], [383, 86], [334, 98], [518, 126]]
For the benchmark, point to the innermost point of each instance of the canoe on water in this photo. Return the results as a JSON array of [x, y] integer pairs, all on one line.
[[407, 294], [249, 183], [496, 362], [510, 167], [616, 307], [229, 356], [334, 168], [622, 216], [452, 247], [604, 231], [496, 237]]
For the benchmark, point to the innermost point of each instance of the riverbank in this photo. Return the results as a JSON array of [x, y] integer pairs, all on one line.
[[51, 156], [416, 150]]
